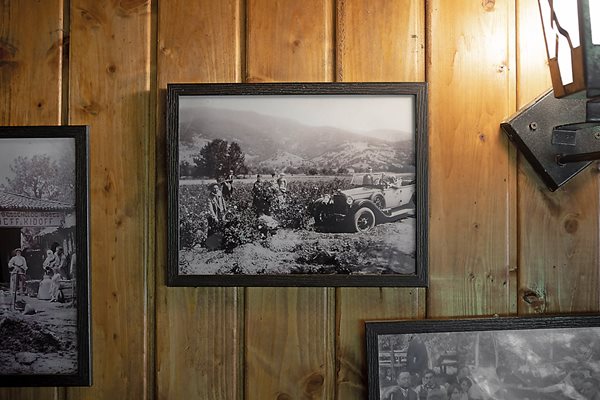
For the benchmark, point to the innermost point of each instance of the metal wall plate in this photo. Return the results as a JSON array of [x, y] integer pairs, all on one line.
[[531, 130]]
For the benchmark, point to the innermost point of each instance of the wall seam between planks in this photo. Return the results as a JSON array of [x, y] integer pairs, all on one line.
[[150, 225], [64, 63]]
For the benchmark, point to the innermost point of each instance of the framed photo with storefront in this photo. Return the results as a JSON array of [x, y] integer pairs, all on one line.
[[532, 357], [297, 184], [44, 257]]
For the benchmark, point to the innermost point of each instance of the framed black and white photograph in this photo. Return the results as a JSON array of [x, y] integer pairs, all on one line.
[[44, 259], [503, 358], [289, 184]]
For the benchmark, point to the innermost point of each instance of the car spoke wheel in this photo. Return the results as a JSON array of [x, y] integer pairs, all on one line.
[[319, 217], [364, 219], [379, 202]]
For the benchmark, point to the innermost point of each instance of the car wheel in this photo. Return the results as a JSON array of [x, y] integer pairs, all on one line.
[[319, 216], [364, 219], [379, 201]]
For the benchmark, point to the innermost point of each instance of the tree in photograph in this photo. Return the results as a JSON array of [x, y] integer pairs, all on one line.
[[218, 157], [41, 177]]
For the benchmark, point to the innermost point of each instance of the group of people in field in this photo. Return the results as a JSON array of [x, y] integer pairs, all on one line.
[[268, 194], [265, 195], [415, 380]]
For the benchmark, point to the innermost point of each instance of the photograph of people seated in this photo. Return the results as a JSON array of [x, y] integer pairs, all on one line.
[[541, 364]]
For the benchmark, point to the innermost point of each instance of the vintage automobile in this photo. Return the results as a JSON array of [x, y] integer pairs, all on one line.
[[375, 198]]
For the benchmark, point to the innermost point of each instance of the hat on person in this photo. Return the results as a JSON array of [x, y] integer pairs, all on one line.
[[18, 249]]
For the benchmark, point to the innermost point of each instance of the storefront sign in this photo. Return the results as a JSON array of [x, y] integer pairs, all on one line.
[[21, 219]]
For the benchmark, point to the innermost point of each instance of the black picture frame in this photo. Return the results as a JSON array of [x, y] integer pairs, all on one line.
[[52, 224], [258, 116], [509, 356]]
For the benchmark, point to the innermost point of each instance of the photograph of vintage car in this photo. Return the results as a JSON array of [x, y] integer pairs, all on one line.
[[373, 199], [297, 184]]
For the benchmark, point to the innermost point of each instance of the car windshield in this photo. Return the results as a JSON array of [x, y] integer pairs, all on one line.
[[370, 178], [382, 179]]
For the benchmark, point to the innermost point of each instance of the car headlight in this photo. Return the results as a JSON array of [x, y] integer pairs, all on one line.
[[349, 200]]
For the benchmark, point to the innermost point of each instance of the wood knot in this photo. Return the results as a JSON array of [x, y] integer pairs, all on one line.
[[488, 5], [111, 69], [314, 384], [93, 108], [7, 51], [571, 225], [535, 299], [284, 396], [108, 184], [90, 18]]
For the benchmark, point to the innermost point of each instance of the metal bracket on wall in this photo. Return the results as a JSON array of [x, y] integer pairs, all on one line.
[[553, 137]]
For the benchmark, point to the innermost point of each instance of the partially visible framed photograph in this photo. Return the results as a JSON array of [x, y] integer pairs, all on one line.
[[534, 358], [289, 184], [44, 257]]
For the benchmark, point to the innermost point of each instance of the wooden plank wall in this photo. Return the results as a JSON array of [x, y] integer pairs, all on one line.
[[500, 243]]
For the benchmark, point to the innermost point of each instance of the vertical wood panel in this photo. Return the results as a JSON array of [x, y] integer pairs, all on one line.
[[289, 331], [110, 91], [471, 187], [31, 45], [558, 232], [199, 329], [289, 40], [289, 350], [376, 41], [380, 41]]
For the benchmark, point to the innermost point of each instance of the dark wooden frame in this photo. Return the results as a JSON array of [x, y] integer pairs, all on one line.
[[374, 329], [418, 90], [83, 376]]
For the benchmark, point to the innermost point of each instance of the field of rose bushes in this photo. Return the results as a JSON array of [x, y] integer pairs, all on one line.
[[284, 241]]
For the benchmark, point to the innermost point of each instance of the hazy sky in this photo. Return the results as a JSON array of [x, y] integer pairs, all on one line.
[[359, 114], [10, 149]]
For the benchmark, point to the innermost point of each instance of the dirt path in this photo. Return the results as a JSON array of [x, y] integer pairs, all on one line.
[[44, 342]]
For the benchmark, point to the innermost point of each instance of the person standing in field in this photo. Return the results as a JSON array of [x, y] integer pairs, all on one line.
[[17, 266]]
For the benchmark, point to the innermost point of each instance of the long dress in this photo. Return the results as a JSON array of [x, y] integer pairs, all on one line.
[[44, 289]]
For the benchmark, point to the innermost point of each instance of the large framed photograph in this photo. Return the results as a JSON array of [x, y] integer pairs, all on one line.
[[44, 258], [289, 184], [534, 358]]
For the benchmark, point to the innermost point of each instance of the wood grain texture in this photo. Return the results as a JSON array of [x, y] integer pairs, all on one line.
[[289, 334], [380, 41], [201, 329], [110, 91], [289, 40], [471, 190], [354, 307], [289, 331], [31, 49], [375, 41], [558, 232]]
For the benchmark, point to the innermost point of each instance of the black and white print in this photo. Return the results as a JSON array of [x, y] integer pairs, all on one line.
[[297, 185], [39, 257], [559, 363]]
